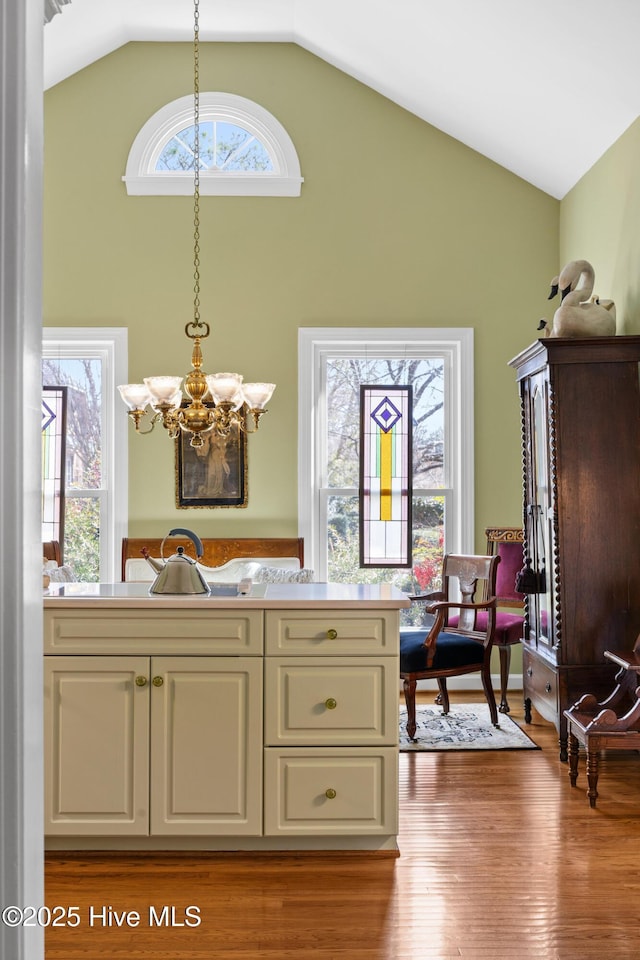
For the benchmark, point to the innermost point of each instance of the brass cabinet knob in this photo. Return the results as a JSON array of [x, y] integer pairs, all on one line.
[[330, 703], [529, 671], [332, 634], [547, 688], [141, 681], [330, 794], [157, 681]]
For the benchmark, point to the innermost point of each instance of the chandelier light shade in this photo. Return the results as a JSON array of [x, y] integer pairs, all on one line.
[[198, 403]]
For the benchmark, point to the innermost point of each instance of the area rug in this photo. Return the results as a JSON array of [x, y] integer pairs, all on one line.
[[466, 727]]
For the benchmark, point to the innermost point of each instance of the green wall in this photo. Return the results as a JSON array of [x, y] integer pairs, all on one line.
[[397, 224], [600, 222]]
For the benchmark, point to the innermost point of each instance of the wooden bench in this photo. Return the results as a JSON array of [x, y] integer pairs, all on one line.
[[611, 724]]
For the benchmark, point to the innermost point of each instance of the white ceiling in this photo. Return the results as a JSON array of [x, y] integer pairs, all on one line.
[[543, 87]]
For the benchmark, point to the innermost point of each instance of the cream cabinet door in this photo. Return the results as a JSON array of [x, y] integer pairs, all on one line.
[[96, 713], [206, 753]]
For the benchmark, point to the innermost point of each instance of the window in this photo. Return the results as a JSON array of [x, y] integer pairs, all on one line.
[[88, 362], [333, 364], [244, 151]]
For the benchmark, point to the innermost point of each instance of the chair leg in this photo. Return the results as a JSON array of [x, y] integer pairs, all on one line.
[[489, 694], [573, 758], [410, 700], [443, 696], [505, 663], [592, 775]]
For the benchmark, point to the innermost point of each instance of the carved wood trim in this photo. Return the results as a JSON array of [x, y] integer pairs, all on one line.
[[504, 535], [216, 550]]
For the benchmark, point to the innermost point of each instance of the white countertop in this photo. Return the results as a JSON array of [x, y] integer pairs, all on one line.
[[264, 596]]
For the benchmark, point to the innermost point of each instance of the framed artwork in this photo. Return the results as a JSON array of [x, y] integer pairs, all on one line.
[[213, 475]]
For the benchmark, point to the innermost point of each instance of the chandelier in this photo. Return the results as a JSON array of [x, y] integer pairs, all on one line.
[[217, 402]]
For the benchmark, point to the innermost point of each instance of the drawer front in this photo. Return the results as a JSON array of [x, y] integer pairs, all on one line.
[[331, 700], [331, 792], [189, 632], [331, 632], [540, 685]]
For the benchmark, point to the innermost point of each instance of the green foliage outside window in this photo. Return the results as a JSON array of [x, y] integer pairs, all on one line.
[[83, 461], [82, 538]]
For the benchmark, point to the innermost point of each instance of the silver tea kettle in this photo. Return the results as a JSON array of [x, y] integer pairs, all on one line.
[[178, 574]]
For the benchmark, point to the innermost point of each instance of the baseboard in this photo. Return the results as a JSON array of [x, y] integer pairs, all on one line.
[[473, 682]]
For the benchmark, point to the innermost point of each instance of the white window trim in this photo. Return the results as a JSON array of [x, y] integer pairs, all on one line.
[[142, 179], [111, 345], [315, 344]]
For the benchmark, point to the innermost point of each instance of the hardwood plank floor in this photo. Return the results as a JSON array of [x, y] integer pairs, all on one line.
[[499, 859]]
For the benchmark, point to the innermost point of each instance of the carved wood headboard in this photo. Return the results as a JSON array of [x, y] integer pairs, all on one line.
[[216, 550], [51, 551]]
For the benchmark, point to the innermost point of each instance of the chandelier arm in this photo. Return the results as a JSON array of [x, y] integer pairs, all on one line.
[[137, 415]]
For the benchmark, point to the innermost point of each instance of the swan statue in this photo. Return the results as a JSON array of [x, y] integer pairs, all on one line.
[[580, 314]]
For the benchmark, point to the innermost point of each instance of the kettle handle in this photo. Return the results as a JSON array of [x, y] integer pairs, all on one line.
[[197, 542]]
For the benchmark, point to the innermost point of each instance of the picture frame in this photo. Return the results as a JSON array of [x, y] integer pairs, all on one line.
[[213, 475]]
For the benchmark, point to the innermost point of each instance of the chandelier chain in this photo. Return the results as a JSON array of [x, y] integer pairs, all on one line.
[[196, 166], [199, 403]]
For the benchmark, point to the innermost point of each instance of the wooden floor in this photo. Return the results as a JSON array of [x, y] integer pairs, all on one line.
[[500, 859]]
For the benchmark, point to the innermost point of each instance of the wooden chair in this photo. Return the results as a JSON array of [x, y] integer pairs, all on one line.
[[436, 650], [506, 543]]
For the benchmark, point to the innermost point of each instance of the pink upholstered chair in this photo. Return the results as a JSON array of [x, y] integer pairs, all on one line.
[[508, 544]]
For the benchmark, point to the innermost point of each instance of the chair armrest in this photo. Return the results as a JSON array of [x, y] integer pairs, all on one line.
[[440, 609], [423, 597], [480, 605]]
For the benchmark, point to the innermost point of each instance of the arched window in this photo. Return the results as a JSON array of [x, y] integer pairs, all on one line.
[[244, 151]]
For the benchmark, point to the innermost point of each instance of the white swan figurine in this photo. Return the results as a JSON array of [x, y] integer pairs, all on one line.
[[580, 314]]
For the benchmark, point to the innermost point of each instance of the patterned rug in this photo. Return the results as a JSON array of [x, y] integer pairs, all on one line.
[[466, 727]]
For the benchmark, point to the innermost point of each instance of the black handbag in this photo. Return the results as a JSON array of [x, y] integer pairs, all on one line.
[[529, 580]]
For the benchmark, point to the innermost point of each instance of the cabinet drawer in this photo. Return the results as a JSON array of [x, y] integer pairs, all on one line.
[[541, 685], [191, 632], [331, 700], [325, 792], [332, 632]]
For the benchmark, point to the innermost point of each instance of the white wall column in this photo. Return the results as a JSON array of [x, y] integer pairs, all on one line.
[[21, 846]]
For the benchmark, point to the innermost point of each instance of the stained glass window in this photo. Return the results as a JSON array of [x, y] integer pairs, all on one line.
[[54, 414], [385, 475]]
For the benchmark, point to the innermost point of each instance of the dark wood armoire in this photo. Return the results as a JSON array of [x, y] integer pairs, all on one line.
[[580, 403]]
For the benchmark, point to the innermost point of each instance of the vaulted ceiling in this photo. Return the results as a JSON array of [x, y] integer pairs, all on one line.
[[543, 87]]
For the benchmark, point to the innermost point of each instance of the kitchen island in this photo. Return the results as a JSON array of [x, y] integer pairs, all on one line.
[[259, 722]]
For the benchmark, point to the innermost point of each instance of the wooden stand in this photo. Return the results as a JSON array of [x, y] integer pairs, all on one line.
[[613, 723]]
